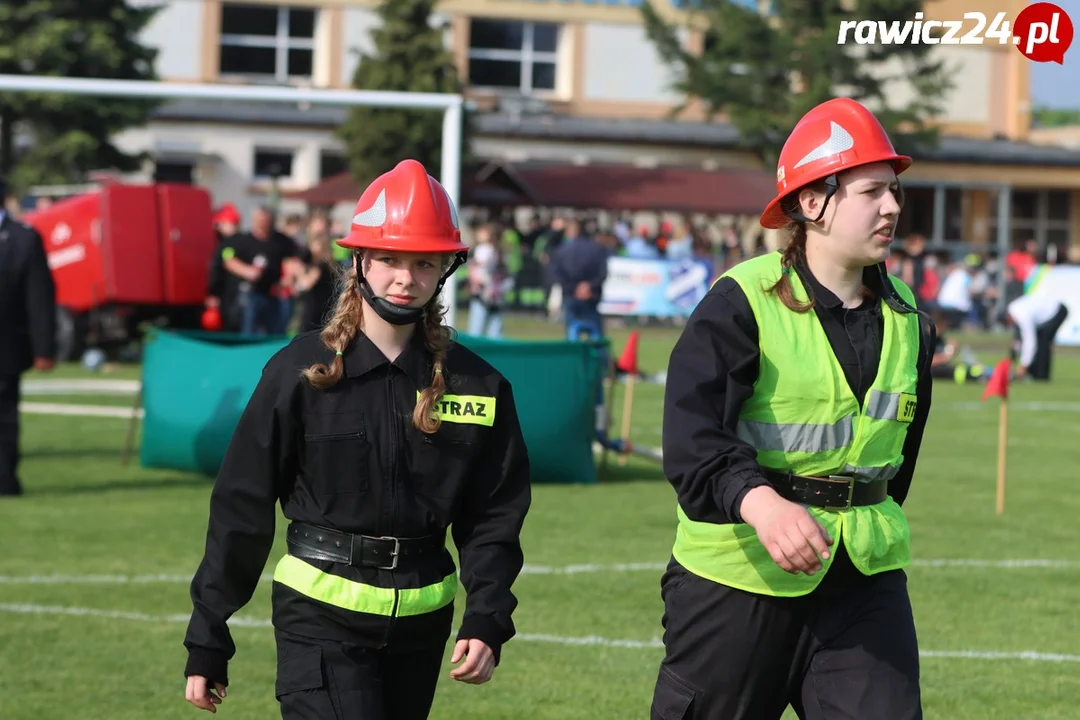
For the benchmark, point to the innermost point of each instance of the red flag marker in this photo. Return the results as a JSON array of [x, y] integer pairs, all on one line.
[[998, 386]]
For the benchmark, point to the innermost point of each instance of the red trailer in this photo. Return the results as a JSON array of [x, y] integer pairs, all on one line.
[[124, 255]]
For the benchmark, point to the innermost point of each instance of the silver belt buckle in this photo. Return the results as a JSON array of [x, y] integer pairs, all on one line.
[[850, 481], [393, 554]]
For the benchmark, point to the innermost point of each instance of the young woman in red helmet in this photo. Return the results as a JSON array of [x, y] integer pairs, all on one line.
[[794, 411], [375, 436]]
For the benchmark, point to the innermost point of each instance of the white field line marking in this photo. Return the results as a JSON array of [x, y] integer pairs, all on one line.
[[1034, 405], [75, 386], [588, 640], [174, 578], [37, 408]]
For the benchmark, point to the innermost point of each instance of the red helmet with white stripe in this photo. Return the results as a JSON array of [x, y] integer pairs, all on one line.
[[836, 135], [405, 210]]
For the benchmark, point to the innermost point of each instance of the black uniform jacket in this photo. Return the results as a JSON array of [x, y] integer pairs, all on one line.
[[350, 459], [712, 372], [27, 299]]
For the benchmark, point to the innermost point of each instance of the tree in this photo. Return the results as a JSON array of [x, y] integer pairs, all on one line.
[[410, 55], [763, 71], [68, 135], [1046, 117]]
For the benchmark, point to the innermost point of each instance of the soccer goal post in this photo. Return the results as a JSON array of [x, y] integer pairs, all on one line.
[[451, 105]]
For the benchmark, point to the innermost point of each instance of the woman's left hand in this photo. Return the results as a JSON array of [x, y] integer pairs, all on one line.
[[479, 662]]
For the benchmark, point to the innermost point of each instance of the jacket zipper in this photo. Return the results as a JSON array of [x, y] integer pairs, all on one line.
[[392, 482]]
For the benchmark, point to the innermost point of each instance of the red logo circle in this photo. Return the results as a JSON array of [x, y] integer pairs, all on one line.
[[1043, 32]]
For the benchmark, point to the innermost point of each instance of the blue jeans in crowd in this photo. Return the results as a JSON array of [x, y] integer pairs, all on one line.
[[483, 321]]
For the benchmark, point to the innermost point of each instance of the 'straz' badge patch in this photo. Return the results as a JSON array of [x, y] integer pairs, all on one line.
[[466, 409], [906, 410]]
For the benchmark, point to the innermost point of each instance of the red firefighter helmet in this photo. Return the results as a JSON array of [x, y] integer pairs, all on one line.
[[405, 210], [837, 135]]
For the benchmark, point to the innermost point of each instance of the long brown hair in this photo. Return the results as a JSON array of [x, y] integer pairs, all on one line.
[[347, 321]]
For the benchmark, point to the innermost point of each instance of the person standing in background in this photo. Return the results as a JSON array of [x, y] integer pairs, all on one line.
[[579, 267], [27, 329]]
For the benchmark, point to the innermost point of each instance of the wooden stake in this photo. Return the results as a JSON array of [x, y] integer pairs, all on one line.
[[129, 441], [1003, 440], [627, 412]]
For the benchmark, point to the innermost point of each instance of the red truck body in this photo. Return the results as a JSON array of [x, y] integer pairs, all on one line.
[[129, 250]]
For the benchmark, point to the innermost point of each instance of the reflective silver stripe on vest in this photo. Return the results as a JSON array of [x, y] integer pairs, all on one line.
[[797, 437], [869, 474], [883, 406]]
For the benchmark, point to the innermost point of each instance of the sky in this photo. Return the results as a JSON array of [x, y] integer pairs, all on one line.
[[1058, 86]]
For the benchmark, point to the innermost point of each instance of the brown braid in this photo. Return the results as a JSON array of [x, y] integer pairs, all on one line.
[[437, 340], [338, 335], [793, 253]]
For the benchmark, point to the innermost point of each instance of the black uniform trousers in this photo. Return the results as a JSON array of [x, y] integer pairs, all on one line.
[[328, 680], [846, 651], [1044, 345], [9, 435]]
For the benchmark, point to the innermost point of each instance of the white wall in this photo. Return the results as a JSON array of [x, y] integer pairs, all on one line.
[[968, 67], [228, 153], [176, 32], [359, 23], [621, 64]]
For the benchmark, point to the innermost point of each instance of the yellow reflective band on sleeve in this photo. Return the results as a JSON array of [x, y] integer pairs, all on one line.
[[466, 409], [350, 595], [228, 254]]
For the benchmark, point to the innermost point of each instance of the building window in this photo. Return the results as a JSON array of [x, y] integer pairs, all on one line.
[[273, 163], [513, 55], [1044, 216], [276, 43], [332, 163]]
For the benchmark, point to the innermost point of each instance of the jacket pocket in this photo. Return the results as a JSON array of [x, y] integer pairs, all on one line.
[[673, 698], [339, 459], [443, 462]]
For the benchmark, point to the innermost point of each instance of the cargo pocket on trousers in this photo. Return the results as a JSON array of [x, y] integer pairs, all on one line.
[[673, 699], [301, 687]]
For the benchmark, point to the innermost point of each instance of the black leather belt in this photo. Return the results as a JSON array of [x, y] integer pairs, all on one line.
[[835, 492], [312, 542]]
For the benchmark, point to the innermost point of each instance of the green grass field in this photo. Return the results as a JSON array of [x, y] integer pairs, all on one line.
[[96, 558]]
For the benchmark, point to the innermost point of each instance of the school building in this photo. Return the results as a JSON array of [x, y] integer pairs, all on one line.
[[573, 110]]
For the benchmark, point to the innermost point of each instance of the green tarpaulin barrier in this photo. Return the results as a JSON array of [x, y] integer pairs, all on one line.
[[196, 385]]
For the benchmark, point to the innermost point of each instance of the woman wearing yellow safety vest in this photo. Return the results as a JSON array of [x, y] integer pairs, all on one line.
[[375, 436], [794, 411]]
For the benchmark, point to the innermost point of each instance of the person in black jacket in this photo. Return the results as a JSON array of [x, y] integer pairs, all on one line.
[[376, 435], [27, 330]]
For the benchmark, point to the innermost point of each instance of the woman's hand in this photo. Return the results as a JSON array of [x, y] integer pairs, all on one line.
[[479, 662], [200, 696], [794, 539]]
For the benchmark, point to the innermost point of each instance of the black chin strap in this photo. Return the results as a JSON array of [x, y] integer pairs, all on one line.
[[398, 314], [831, 186]]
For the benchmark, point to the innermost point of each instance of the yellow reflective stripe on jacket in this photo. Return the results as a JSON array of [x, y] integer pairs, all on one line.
[[465, 409], [358, 597]]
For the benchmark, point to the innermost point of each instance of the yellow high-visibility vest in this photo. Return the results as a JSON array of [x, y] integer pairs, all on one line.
[[804, 418]]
